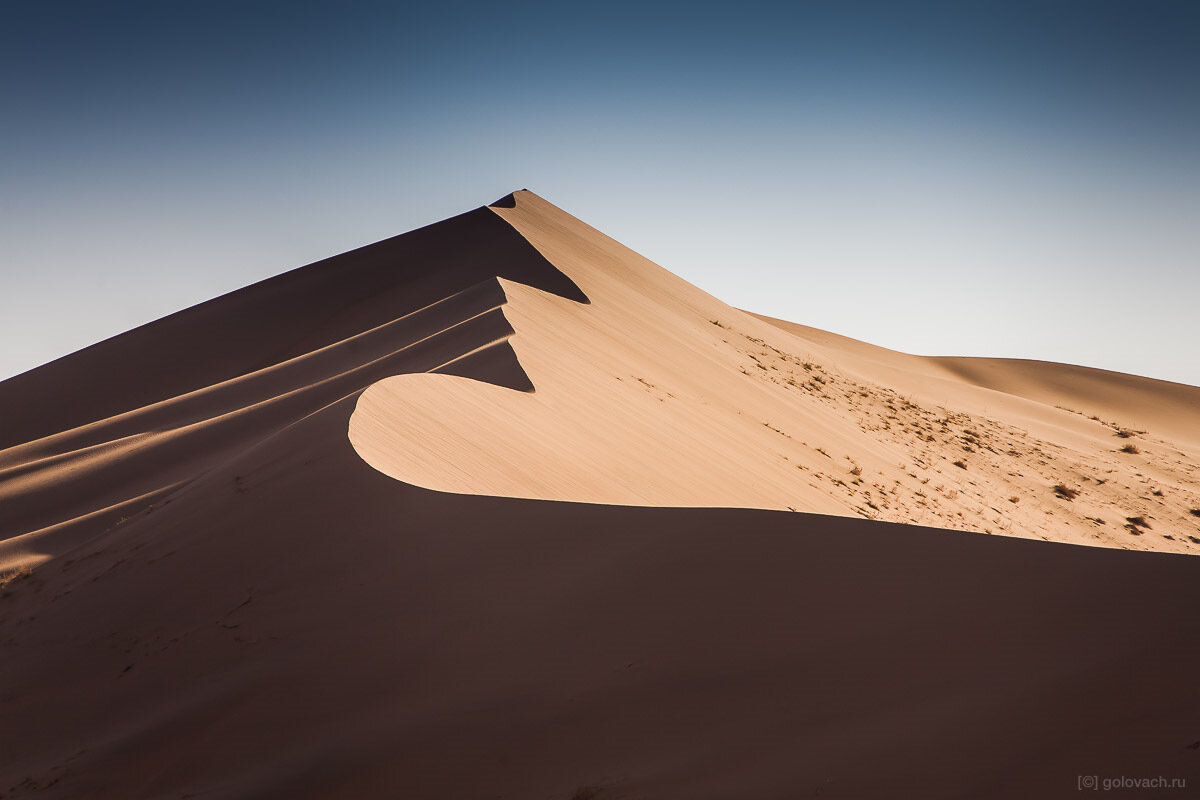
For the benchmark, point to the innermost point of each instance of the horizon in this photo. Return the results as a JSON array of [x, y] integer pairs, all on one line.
[[1006, 181]]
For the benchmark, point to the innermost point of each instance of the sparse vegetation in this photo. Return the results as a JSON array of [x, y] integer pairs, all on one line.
[[1137, 522], [1065, 492], [11, 576], [934, 436], [1195, 512]]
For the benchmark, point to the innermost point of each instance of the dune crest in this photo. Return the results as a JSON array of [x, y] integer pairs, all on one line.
[[622, 384], [170, 401], [656, 393]]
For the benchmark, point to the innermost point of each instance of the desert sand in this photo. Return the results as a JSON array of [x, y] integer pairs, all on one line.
[[655, 393], [498, 508]]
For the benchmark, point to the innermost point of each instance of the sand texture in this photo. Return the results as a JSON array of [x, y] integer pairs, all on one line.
[[498, 508]]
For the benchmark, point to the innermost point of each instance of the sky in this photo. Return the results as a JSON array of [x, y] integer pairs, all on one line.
[[944, 178]]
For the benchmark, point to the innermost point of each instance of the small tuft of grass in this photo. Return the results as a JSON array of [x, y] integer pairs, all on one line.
[[1130, 448], [14, 575], [1138, 521], [856, 470], [960, 464], [1014, 499], [1065, 492], [11, 576], [1195, 512], [1125, 433], [1157, 492]]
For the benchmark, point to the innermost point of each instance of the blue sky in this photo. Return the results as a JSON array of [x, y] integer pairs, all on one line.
[[1001, 179]]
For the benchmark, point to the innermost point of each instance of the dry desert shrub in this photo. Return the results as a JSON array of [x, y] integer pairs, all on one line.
[[1130, 448], [1065, 492], [13, 575]]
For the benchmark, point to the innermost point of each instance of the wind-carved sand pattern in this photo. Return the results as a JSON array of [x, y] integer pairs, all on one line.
[[655, 393], [171, 400]]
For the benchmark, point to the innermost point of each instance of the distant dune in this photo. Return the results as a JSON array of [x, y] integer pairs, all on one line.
[[498, 508]]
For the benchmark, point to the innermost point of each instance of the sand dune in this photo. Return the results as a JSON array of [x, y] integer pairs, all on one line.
[[406, 522], [166, 402], [656, 393]]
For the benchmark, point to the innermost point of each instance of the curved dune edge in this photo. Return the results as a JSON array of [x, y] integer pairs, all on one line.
[[446, 646], [657, 394], [169, 402], [463, 436]]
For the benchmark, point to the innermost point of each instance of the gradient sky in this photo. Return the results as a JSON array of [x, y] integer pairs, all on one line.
[[947, 178]]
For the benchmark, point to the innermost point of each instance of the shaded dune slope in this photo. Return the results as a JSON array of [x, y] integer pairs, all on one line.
[[110, 429], [285, 317], [295, 624]]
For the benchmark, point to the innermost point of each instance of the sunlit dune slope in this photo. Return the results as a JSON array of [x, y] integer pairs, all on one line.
[[1170, 408], [655, 393]]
